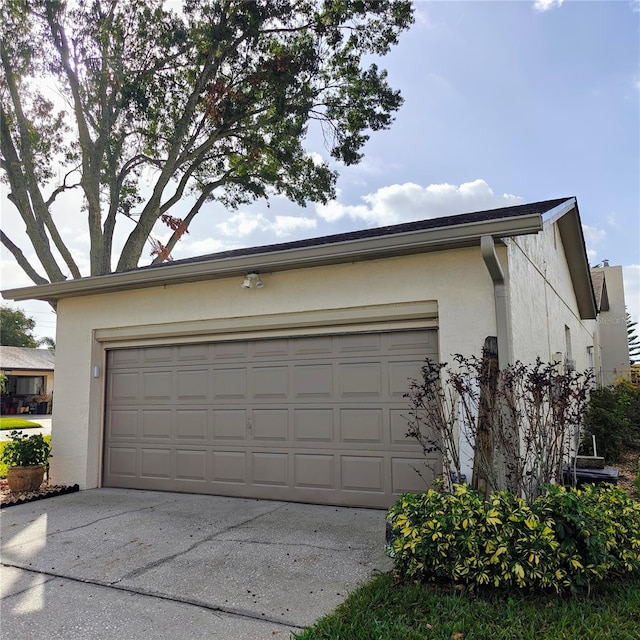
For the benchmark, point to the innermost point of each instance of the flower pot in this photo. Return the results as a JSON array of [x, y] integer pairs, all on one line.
[[25, 478]]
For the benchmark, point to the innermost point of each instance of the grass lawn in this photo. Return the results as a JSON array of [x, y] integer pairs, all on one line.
[[17, 423], [3, 466], [379, 610]]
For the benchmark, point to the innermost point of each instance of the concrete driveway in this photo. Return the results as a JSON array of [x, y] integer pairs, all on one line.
[[115, 563]]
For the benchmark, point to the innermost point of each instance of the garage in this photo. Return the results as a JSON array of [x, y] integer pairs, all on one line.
[[310, 418]]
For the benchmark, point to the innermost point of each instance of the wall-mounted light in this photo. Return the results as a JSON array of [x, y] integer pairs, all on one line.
[[252, 281], [96, 371]]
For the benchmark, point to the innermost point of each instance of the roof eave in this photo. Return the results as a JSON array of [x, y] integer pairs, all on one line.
[[437, 239], [575, 251]]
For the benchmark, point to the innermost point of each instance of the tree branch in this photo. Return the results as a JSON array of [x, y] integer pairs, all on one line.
[[23, 263]]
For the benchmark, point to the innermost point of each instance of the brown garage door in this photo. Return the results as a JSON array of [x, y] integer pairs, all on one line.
[[312, 419]]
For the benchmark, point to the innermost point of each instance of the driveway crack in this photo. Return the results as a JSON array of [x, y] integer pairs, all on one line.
[[136, 573], [194, 602]]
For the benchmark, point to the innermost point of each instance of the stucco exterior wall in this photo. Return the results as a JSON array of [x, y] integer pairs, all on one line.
[[612, 326], [457, 282], [543, 302]]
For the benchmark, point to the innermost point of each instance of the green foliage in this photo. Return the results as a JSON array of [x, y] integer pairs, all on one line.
[[23, 450], [16, 328], [613, 416], [216, 102], [565, 539]]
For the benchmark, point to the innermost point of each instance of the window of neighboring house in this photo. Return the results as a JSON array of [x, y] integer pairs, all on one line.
[[29, 385]]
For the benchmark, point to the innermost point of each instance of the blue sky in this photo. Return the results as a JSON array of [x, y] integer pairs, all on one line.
[[505, 102]]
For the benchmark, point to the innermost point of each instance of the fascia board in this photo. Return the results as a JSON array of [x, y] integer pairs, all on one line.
[[425, 240], [570, 229]]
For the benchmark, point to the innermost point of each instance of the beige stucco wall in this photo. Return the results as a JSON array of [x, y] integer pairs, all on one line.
[[612, 326], [455, 284], [543, 302], [457, 280]]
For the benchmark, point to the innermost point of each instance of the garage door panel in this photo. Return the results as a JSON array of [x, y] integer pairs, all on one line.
[[229, 467], [230, 384], [399, 373], [270, 468], [230, 424], [122, 423], [359, 342], [313, 345], [192, 384], [312, 418], [157, 385], [155, 463], [123, 387], [362, 473], [269, 348], [271, 424], [122, 462], [192, 423], [412, 474], [313, 381], [155, 355], [271, 382], [314, 425], [314, 470], [361, 425], [193, 352], [156, 423], [361, 379], [191, 464]]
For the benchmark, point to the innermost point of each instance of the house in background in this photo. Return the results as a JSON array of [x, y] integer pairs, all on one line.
[[280, 371], [29, 384], [613, 340]]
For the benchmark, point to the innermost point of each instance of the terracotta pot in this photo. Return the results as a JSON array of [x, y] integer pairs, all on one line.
[[25, 478]]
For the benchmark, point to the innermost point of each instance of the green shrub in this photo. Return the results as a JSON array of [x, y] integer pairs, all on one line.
[[566, 539], [23, 450], [613, 417]]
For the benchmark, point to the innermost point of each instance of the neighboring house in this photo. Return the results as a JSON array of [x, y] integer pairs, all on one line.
[[613, 340], [179, 377], [29, 383]]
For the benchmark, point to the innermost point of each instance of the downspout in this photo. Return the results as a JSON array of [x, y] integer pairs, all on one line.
[[503, 321]]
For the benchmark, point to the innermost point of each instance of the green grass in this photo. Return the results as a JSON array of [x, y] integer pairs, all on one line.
[[3, 466], [17, 423], [380, 610]]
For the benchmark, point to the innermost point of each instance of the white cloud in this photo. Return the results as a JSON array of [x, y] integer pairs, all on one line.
[[631, 280], [409, 201], [286, 225], [245, 223], [546, 5], [242, 224], [592, 237]]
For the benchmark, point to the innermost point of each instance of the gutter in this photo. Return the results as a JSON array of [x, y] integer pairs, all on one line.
[[503, 320], [270, 260]]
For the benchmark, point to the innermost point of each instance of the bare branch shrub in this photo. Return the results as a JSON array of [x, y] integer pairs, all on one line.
[[522, 422]]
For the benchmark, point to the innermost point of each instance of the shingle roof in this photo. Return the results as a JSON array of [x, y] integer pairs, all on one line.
[[24, 358], [377, 232]]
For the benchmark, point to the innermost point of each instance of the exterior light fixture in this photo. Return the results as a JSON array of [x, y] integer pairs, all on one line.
[[252, 281]]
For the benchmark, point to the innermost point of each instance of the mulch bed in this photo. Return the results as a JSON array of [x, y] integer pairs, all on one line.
[[8, 499]]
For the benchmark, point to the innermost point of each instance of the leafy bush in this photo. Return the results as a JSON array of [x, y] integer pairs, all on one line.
[[22, 450], [613, 417], [567, 538]]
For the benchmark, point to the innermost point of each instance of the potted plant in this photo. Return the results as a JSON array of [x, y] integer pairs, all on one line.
[[27, 458], [42, 400]]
